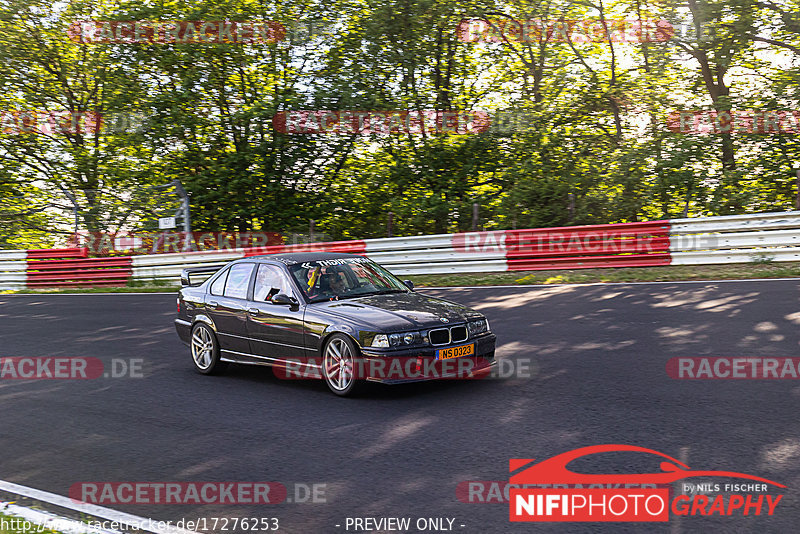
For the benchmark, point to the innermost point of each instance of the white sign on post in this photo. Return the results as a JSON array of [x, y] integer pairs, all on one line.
[[165, 223]]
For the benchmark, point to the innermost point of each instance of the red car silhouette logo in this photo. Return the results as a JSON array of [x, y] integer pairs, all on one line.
[[554, 470]]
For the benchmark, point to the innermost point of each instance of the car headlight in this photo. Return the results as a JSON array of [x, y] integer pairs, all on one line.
[[380, 341], [478, 327], [396, 340], [404, 338]]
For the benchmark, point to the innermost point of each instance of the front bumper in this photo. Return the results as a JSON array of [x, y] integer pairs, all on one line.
[[398, 366]]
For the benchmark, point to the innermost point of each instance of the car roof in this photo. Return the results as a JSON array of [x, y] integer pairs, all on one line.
[[300, 257]]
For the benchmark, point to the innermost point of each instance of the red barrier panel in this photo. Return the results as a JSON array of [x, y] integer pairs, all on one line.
[[62, 269], [640, 244], [88, 263], [47, 253], [356, 246], [590, 262]]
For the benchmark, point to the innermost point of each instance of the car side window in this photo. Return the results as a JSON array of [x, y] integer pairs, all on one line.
[[270, 280], [218, 285], [238, 280], [301, 276]]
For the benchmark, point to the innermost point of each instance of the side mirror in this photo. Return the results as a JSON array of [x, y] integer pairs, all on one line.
[[409, 284], [283, 299]]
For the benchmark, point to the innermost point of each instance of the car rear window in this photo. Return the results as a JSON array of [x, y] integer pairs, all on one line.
[[218, 285], [238, 280]]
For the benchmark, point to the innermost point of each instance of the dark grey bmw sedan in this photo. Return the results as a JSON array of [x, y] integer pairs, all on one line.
[[339, 317]]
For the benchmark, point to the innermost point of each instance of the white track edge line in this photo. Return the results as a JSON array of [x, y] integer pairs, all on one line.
[[91, 509]]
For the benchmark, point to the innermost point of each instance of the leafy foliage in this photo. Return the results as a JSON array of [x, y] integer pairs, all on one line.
[[589, 142]]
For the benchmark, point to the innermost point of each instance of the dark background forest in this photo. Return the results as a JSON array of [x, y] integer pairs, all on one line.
[[590, 141]]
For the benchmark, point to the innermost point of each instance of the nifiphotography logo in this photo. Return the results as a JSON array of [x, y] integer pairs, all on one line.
[[549, 491]]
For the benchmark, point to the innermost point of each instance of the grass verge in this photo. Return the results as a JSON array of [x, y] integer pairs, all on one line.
[[142, 289], [667, 273], [134, 286]]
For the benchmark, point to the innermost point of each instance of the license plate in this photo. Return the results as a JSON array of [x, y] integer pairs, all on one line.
[[455, 352]]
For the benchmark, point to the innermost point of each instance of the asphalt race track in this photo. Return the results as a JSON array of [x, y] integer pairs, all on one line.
[[590, 364]]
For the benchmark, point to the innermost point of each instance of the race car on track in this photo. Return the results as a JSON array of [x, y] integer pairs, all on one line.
[[339, 317]]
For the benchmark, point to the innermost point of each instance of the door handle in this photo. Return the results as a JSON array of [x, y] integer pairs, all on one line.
[[253, 311], [213, 304]]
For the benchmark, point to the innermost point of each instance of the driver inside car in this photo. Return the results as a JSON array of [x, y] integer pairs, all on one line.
[[331, 283], [336, 283]]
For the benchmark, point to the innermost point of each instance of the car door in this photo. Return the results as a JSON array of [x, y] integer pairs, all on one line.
[[276, 331], [226, 304]]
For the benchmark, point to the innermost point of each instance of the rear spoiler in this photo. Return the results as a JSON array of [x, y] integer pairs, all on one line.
[[207, 271]]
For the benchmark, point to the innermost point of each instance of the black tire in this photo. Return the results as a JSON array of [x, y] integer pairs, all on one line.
[[205, 351], [339, 359]]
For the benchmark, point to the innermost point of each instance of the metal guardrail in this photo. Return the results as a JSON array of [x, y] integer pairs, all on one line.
[[736, 239], [471, 252], [709, 240], [168, 267], [13, 265], [638, 244]]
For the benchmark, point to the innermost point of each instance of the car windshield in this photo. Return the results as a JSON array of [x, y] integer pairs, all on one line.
[[343, 278]]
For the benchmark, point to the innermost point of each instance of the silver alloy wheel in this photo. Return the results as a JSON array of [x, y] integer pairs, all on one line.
[[338, 363], [202, 348]]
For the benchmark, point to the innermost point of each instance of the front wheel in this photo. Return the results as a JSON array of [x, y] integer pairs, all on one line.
[[205, 351], [338, 364]]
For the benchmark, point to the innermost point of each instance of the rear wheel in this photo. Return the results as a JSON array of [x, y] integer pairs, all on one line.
[[338, 365], [205, 351]]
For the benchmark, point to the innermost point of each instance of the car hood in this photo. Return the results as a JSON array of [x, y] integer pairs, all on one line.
[[399, 311]]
